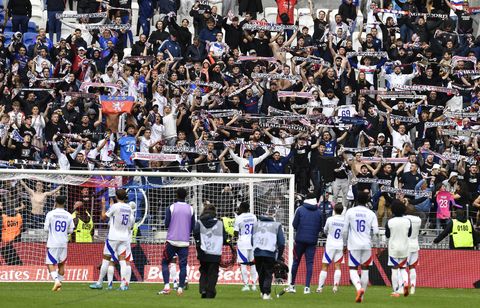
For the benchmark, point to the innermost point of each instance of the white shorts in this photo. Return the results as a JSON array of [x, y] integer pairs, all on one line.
[[333, 255], [397, 262], [115, 248], [412, 258], [56, 255], [244, 255], [128, 253], [360, 257]]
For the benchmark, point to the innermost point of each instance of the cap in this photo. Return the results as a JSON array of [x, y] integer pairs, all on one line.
[[252, 51], [452, 175], [436, 166], [381, 134], [81, 48]]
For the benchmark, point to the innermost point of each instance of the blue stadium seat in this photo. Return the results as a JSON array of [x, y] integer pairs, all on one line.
[[29, 38], [8, 38], [32, 27], [8, 26]]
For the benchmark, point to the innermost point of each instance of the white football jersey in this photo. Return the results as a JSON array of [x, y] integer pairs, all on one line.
[[58, 223], [121, 220], [346, 111], [244, 226], [413, 245], [360, 222], [334, 228], [398, 241]]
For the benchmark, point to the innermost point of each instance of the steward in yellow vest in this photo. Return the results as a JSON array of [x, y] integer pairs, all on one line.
[[462, 234], [83, 221]]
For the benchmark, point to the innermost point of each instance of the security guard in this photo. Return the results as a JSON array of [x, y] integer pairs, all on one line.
[[228, 224], [12, 224], [462, 234], [209, 237], [83, 221]]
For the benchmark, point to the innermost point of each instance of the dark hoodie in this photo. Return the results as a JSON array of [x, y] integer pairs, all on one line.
[[209, 220], [307, 223], [280, 243], [448, 230]]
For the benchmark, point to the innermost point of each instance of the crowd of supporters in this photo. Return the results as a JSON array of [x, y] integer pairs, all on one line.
[[387, 104]]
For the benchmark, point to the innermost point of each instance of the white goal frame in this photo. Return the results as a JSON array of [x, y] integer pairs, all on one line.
[[249, 178]]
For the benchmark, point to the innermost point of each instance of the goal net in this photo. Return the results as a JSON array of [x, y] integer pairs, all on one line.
[[27, 195]]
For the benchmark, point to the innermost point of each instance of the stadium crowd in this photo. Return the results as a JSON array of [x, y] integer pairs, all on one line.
[[387, 104]]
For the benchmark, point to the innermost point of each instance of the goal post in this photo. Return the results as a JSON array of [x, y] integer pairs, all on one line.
[[26, 195]]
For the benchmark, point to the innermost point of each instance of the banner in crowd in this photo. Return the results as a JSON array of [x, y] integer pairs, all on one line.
[[313, 60], [439, 124], [276, 76], [403, 96], [378, 54], [154, 156], [269, 124], [424, 88], [103, 27], [388, 160], [358, 150], [407, 192], [385, 92], [460, 73], [256, 25], [459, 133], [139, 58], [80, 95], [116, 104], [75, 15], [371, 181], [252, 58], [214, 85], [236, 129], [306, 95], [461, 114], [314, 104], [399, 117], [184, 149]]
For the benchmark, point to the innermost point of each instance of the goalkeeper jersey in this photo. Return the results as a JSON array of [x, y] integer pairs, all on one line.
[[244, 226]]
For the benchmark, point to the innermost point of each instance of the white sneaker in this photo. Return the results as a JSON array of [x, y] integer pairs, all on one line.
[[266, 296], [306, 290], [254, 287], [335, 289], [319, 290], [180, 291], [246, 288], [412, 290], [291, 289]]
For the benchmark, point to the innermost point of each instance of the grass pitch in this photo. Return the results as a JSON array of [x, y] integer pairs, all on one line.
[[145, 295]]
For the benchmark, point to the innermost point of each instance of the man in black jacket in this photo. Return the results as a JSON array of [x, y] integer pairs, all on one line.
[[21, 12], [210, 236], [197, 51], [233, 32]]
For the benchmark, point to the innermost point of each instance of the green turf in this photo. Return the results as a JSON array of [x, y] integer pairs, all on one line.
[[145, 295]]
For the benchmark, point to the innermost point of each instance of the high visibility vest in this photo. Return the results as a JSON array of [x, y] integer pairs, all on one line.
[[83, 230], [134, 233], [211, 239], [11, 227], [228, 224], [462, 234]]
